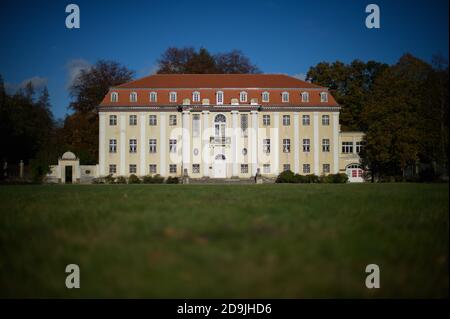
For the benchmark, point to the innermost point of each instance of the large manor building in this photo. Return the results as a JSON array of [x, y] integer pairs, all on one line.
[[223, 126]]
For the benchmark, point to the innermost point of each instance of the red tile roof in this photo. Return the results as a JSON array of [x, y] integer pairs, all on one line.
[[218, 81]]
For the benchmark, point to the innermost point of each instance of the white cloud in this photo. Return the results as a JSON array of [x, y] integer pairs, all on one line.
[[74, 67], [38, 84]]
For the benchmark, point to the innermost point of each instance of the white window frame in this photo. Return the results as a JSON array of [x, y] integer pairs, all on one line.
[[266, 119], [132, 168], [266, 145], [286, 167], [265, 96], [325, 120], [266, 168], [244, 125], [133, 97], [195, 168], [306, 145], [306, 169], [347, 147], [196, 125], [327, 170], [306, 120], [219, 97], [172, 97], [305, 97], [243, 97], [132, 120], [112, 169], [196, 97], [172, 120], [323, 97], [244, 168], [286, 120], [152, 120], [286, 145], [326, 145], [114, 97], [113, 120], [152, 143], [152, 168], [172, 168], [359, 145], [133, 145], [113, 145], [153, 97], [285, 97], [172, 145]]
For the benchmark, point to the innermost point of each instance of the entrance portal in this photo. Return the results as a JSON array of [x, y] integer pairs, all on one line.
[[68, 174], [220, 166]]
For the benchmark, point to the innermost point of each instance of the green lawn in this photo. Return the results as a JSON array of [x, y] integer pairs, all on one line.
[[276, 241]]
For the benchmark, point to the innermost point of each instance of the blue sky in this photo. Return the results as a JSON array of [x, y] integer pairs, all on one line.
[[279, 36]]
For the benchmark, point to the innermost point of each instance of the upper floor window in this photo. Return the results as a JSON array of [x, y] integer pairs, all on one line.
[[306, 145], [325, 120], [347, 147], [196, 125], [285, 97], [265, 96], [325, 145], [152, 120], [114, 97], [266, 145], [113, 120], [359, 146], [152, 145], [286, 145], [153, 97], [244, 124], [133, 120], [286, 120], [172, 120], [172, 146], [306, 120], [266, 120], [243, 97], [305, 97], [323, 97], [133, 97], [112, 146], [196, 96], [172, 97], [133, 145], [219, 97]]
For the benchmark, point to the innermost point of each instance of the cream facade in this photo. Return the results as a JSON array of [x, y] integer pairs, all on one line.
[[232, 133]]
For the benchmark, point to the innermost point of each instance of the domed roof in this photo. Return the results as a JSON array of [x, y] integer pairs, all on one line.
[[68, 156]]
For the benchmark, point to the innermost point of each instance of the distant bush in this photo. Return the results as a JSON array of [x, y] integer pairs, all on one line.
[[172, 180], [121, 180], [98, 180], [109, 179], [155, 179], [133, 179], [290, 177]]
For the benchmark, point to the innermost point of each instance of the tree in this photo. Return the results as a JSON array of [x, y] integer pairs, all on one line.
[[189, 61], [88, 90]]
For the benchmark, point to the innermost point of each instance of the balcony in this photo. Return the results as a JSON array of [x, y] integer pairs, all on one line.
[[220, 140]]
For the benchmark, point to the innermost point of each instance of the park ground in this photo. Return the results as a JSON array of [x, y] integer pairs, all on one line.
[[212, 241]]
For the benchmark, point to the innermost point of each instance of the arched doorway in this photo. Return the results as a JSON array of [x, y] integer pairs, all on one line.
[[220, 166], [355, 173]]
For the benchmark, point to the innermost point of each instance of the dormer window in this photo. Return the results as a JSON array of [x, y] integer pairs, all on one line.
[[114, 97], [173, 97], [196, 97], [243, 97], [305, 97], [219, 97], [285, 97], [323, 97], [153, 97], [265, 96], [133, 97]]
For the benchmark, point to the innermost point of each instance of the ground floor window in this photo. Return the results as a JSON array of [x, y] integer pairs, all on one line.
[[286, 167], [133, 169], [326, 168], [152, 168], [172, 168], [306, 168], [244, 168], [112, 169], [195, 168], [266, 168], [347, 147]]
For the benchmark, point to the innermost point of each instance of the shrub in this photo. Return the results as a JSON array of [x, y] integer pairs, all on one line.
[[109, 179], [133, 179], [172, 180], [98, 181], [121, 180], [311, 178], [155, 179], [285, 177]]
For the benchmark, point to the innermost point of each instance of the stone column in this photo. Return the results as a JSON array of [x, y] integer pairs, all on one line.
[[163, 141], [21, 169], [143, 145], [101, 143], [254, 142], [205, 143], [234, 142], [123, 143], [316, 142], [186, 147], [296, 145], [336, 142]]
